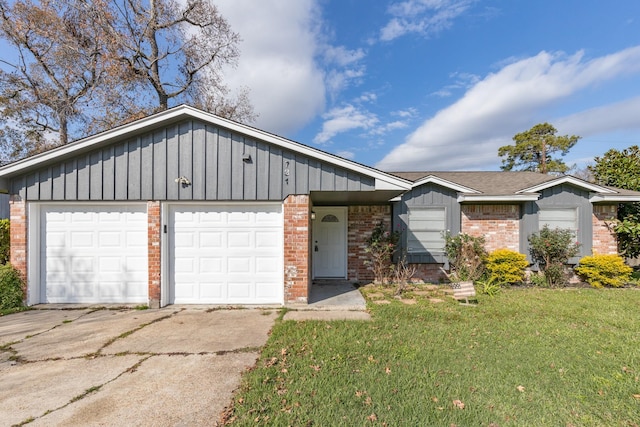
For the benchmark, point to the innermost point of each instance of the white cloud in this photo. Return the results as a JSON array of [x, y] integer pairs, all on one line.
[[277, 60], [346, 154], [424, 17], [467, 134], [343, 119]]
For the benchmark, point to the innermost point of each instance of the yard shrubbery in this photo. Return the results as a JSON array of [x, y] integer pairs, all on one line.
[[604, 270], [552, 249], [466, 255], [505, 266], [10, 288]]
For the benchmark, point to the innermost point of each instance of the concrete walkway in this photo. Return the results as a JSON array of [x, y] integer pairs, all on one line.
[[88, 367], [330, 300]]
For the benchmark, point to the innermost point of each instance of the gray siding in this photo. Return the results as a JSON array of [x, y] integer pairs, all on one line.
[[561, 196], [145, 167], [428, 195]]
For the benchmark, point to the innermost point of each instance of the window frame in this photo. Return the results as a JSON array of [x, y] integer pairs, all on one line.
[[411, 230]]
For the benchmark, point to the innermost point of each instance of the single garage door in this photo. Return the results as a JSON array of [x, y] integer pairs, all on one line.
[[226, 254], [93, 253]]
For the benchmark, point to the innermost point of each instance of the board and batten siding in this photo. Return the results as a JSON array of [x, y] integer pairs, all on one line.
[[427, 195], [560, 196], [213, 159]]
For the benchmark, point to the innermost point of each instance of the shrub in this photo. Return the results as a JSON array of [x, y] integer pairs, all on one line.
[[4, 241], [466, 255], [11, 295], [604, 270], [380, 246], [551, 249], [506, 266]]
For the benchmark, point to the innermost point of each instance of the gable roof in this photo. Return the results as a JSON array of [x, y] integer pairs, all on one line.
[[383, 180], [514, 186]]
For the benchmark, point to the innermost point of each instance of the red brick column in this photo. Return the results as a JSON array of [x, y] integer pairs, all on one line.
[[154, 252], [361, 222], [18, 237], [499, 224], [297, 269], [604, 239]]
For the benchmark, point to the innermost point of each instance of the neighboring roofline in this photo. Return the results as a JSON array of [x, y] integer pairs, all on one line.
[[504, 198], [443, 182], [621, 198], [383, 180], [570, 180]]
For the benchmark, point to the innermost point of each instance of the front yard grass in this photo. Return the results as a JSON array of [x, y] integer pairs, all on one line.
[[525, 357]]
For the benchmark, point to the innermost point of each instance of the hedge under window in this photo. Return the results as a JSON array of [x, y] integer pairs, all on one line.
[[426, 226]]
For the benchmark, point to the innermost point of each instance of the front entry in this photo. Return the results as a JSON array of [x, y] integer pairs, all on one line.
[[329, 244]]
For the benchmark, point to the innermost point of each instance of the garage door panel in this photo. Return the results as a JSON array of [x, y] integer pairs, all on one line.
[[230, 248], [94, 253]]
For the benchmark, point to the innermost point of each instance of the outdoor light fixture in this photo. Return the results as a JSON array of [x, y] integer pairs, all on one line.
[[246, 158], [313, 215], [183, 180]]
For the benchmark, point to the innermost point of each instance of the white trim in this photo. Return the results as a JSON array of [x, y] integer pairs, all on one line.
[[443, 182], [510, 198], [390, 181], [34, 285], [596, 198], [570, 180]]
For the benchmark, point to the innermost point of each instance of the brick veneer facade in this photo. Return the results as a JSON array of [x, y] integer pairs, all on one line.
[[154, 251], [297, 269], [604, 239], [499, 224], [360, 223], [18, 237]]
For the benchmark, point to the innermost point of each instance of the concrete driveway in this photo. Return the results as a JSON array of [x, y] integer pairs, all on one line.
[[170, 367]]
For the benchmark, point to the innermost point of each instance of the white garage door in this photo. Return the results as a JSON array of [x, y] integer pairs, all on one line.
[[94, 254], [221, 254]]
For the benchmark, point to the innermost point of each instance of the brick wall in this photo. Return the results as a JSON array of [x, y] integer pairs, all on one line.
[[18, 237], [604, 239], [154, 252], [361, 221], [296, 249], [499, 224]]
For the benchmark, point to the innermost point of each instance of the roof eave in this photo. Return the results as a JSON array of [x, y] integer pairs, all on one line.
[[615, 198], [516, 198], [382, 180]]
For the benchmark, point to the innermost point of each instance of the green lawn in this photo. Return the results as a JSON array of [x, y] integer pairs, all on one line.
[[527, 357]]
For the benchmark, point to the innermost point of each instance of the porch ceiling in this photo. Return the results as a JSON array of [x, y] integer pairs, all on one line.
[[339, 198]]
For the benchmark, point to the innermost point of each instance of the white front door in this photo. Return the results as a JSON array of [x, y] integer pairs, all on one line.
[[329, 244]]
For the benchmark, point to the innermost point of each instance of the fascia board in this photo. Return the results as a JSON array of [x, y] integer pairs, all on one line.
[[618, 198], [571, 180], [443, 182], [482, 198]]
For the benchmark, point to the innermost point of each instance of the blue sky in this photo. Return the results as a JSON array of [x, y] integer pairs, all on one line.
[[440, 84]]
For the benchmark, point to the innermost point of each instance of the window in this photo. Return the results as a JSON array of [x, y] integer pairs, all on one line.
[[565, 218], [426, 226]]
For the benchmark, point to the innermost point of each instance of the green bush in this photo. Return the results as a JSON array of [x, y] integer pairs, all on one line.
[[551, 249], [4, 241], [466, 255], [11, 295], [506, 266], [604, 270]]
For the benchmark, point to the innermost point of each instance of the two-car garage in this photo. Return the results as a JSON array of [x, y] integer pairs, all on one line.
[[212, 253]]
